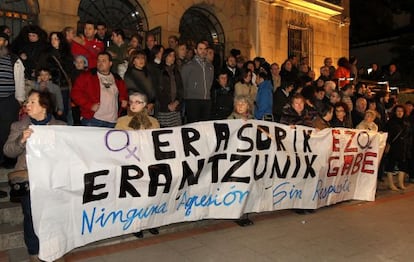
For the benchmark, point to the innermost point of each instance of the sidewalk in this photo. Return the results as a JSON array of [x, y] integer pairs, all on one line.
[[349, 231]]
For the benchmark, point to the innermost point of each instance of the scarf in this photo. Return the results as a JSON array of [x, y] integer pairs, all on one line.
[[41, 122], [139, 120]]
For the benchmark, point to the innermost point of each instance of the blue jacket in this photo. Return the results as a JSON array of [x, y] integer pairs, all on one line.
[[264, 100]]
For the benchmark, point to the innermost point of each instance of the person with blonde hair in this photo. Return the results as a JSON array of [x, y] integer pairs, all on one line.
[[368, 122], [242, 109]]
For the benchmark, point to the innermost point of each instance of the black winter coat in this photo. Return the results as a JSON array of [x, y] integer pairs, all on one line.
[[164, 97], [140, 81], [400, 149]]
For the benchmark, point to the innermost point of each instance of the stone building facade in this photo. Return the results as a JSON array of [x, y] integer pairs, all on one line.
[[268, 28]]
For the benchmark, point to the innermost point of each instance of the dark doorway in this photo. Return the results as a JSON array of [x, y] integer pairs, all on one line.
[[125, 14], [197, 24]]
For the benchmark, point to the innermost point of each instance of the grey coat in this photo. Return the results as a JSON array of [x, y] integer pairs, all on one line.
[[13, 148], [197, 79]]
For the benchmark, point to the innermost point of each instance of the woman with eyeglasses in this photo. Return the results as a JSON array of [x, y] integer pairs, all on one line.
[[137, 118], [341, 116]]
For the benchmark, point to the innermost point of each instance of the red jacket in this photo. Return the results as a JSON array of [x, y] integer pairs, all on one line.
[[86, 92], [90, 50], [342, 72]]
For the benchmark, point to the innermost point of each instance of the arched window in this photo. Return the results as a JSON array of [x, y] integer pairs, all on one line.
[[17, 14], [125, 14], [197, 24]]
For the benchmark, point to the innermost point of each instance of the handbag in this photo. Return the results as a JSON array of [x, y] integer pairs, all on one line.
[[19, 185], [68, 80], [388, 145]]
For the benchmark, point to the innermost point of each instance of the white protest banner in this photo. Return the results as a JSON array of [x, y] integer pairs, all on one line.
[[89, 184]]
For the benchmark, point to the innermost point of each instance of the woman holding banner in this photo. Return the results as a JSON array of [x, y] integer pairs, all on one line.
[[40, 109], [138, 119]]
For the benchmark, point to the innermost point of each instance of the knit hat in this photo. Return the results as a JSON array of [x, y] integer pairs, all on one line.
[[84, 60], [166, 53], [4, 35]]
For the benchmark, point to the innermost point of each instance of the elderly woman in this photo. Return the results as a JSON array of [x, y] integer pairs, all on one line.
[[368, 122], [241, 108], [138, 119], [39, 109]]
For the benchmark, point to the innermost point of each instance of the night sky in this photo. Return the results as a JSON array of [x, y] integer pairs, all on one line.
[[374, 19]]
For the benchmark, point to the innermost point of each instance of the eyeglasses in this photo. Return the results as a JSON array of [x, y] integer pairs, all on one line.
[[138, 102]]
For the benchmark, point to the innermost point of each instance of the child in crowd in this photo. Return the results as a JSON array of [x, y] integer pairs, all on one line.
[[44, 83], [241, 108], [81, 66]]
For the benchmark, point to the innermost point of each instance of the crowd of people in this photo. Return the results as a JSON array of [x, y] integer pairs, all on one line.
[[108, 80]]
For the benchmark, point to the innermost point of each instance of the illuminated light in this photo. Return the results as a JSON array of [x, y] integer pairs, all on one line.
[[316, 8]]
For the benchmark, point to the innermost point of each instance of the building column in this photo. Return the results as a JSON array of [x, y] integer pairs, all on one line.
[[55, 15]]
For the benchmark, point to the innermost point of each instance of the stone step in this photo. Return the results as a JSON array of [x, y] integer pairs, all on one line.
[[10, 213], [3, 174], [17, 255], [4, 186], [11, 236], [11, 225]]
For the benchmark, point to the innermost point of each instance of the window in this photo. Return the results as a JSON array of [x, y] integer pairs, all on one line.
[[125, 14], [17, 14], [300, 42], [198, 23]]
